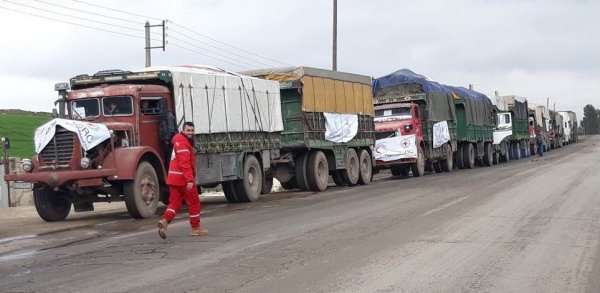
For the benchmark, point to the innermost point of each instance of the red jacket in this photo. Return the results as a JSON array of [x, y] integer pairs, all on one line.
[[182, 168]]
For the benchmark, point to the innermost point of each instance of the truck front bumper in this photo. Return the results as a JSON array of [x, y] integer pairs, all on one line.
[[58, 178]]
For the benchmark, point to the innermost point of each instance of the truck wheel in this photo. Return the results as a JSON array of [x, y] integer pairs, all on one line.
[[516, 151], [141, 193], [459, 156], [249, 188], [229, 191], [351, 173], [495, 158], [289, 185], [418, 168], [400, 171], [488, 159], [366, 167], [51, 205], [301, 162], [267, 185], [448, 162], [337, 178], [317, 171], [437, 166], [468, 156]]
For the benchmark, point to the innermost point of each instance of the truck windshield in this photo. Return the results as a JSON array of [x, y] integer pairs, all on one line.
[[393, 114], [117, 106], [85, 108]]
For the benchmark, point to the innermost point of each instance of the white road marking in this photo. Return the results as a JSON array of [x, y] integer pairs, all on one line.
[[9, 239], [444, 206]]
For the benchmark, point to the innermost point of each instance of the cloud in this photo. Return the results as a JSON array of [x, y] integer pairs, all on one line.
[[530, 48]]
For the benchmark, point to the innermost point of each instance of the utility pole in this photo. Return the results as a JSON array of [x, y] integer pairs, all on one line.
[[147, 27], [335, 35]]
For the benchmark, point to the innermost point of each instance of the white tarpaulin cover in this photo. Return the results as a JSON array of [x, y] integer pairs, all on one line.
[[441, 134], [90, 134], [219, 101], [396, 148], [340, 127]]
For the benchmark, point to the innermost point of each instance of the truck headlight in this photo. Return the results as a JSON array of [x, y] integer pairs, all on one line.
[[27, 165], [85, 163]]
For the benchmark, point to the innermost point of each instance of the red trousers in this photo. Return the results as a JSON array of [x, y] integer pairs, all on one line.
[[177, 194]]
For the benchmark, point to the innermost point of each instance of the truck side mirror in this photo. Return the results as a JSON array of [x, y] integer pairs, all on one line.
[[5, 142]]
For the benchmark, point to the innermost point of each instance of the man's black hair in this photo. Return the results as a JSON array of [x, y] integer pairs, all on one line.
[[188, 124]]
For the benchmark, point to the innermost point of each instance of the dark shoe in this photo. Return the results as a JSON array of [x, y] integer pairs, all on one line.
[[162, 228]]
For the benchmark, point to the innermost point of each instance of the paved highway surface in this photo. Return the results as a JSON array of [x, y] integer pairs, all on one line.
[[527, 226]]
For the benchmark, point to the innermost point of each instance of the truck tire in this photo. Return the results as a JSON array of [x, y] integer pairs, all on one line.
[[50, 205], [351, 173], [317, 171], [506, 156], [516, 151], [142, 193], [366, 167], [495, 158], [289, 185], [337, 178], [249, 188], [400, 171], [468, 156], [229, 191], [488, 158], [459, 156], [267, 185], [301, 182], [418, 168], [448, 162], [437, 166]]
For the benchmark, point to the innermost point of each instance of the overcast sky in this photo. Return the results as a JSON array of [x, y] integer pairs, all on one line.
[[535, 49]]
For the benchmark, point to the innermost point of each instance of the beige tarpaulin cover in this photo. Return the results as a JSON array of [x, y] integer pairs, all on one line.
[[326, 90]]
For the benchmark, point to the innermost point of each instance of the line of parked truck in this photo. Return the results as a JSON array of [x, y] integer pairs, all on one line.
[[299, 125]]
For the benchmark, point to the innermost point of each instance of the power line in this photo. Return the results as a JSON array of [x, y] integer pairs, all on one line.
[[76, 24], [93, 13], [225, 44], [77, 17], [200, 53], [207, 44], [216, 53], [182, 27], [117, 10]]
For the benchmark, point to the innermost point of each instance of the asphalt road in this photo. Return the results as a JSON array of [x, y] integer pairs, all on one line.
[[526, 226]]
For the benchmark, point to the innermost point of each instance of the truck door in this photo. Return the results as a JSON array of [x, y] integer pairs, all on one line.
[[150, 111], [417, 120]]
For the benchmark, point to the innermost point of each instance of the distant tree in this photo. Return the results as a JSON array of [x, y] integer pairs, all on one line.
[[590, 117]]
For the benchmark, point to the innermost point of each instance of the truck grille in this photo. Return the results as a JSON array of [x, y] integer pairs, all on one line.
[[385, 134], [60, 148]]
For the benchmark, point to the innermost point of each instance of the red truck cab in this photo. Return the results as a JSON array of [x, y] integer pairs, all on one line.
[[128, 166], [397, 119]]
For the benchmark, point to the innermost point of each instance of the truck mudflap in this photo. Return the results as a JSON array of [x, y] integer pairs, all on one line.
[[58, 178]]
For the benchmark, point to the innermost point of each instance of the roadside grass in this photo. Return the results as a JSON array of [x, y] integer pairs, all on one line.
[[19, 128]]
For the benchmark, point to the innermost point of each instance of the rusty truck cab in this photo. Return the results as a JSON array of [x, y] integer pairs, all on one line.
[[397, 119], [128, 166]]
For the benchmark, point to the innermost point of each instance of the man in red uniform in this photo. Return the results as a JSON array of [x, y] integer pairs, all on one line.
[[182, 183]]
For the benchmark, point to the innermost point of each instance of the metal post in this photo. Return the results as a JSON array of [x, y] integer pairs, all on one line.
[[335, 35], [471, 86], [148, 56]]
